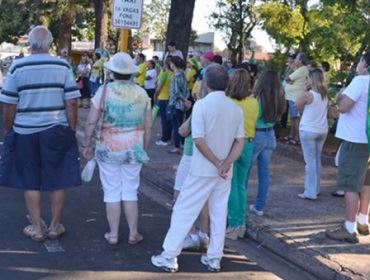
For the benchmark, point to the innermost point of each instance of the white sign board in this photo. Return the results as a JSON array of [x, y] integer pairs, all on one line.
[[127, 14]]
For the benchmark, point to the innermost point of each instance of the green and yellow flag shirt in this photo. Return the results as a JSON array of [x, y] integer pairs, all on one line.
[[39, 85]]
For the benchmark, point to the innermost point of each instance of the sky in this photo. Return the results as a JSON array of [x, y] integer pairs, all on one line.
[[203, 8]]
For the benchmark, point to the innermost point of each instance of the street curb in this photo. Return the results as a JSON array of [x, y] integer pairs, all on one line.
[[310, 260]]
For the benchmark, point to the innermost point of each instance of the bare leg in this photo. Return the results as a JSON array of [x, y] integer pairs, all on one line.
[[57, 202], [113, 216], [364, 200], [352, 206], [132, 217], [33, 203]]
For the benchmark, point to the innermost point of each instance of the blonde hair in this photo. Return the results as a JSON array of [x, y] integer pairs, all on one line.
[[239, 85], [318, 82]]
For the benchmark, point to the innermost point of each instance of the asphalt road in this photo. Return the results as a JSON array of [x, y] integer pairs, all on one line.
[[83, 253]]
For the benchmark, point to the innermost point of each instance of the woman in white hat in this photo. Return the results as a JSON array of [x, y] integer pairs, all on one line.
[[120, 146]]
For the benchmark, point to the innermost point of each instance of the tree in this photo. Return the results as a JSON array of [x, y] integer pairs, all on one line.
[[102, 15], [236, 19], [14, 21], [179, 24]]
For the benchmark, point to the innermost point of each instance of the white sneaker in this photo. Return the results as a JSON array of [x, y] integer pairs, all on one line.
[[253, 209], [211, 264], [161, 143], [190, 243], [169, 265]]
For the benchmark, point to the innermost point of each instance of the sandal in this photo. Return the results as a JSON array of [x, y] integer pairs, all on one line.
[[111, 239], [135, 240], [287, 138], [56, 234], [30, 232], [294, 142]]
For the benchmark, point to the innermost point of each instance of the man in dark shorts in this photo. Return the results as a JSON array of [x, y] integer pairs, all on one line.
[[40, 150], [353, 168]]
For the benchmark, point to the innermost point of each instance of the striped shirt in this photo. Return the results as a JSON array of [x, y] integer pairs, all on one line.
[[39, 85]]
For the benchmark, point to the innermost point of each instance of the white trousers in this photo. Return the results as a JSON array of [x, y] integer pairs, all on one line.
[[120, 181], [195, 193]]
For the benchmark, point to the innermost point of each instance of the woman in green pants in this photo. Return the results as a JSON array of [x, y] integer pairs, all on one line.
[[239, 90]]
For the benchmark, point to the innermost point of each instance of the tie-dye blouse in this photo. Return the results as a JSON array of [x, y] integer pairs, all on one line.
[[121, 138]]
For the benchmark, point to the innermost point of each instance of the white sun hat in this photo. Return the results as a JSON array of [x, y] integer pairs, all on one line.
[[122, 63]]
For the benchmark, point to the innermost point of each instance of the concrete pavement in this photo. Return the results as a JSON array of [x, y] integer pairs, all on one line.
[[291, 227]]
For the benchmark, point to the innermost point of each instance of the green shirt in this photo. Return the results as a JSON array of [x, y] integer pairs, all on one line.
[[188, 143], [261, 123]]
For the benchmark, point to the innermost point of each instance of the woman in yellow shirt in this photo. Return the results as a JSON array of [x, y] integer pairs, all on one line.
[[239, 90], [161, 97]]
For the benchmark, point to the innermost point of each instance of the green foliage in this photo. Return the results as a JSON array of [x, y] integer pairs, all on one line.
[[155, 18], [236, 20], [335, 31], [286, 25], [14, 20]]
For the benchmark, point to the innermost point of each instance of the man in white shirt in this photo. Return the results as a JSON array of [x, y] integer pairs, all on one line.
[[217, 130], [353, 165], [150, 80]]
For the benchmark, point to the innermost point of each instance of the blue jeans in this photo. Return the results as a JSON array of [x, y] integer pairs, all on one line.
[[177, 121], [265, 144], [312, 144], [166, 124]]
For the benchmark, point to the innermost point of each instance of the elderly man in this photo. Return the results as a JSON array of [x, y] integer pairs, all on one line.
[[40, 148], [217, 129]]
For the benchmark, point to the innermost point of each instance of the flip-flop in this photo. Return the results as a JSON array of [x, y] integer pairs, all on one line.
[[30, 232], [56, 234], [111, 240], [135, 240]]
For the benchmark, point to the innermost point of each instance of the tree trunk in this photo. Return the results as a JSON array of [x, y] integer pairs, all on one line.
[[98, 21], [179, 24], [104, 21], [65, 31]]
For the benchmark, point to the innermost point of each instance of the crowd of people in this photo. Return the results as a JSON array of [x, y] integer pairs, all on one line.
[[222, 117]]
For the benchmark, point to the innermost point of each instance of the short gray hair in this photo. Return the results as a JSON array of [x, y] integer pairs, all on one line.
[[216, 77], [40, 38]]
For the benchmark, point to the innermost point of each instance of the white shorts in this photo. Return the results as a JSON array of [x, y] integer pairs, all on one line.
[[182, 171], [120, 182]]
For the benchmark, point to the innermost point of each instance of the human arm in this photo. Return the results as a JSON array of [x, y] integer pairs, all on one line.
[[345, 103], [184, 129], [9, 111], [91, 122], [147, 127], [236, 150], [71, 112], [203, 148], [297, 74], [303, 100], [347, 98]]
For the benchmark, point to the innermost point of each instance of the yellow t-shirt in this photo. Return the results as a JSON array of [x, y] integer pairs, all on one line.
[[249, 106], [190, 77], [164, 78], [140, 80], [295, 90]]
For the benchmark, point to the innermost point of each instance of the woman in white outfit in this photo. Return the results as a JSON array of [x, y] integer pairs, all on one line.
[[120, 147], [313, 130]]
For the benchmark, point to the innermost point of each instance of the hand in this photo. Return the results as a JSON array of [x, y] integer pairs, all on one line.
[[187, 105], [87, 153], [223, 169]]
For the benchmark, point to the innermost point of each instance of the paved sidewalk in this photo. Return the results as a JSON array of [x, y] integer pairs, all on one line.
[[292, 227]]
